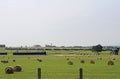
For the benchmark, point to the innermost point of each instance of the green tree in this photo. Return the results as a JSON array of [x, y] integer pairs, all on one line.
[[97, 48]]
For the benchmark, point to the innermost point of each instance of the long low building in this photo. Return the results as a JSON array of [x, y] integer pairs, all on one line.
[[3, 53], [29, 53]]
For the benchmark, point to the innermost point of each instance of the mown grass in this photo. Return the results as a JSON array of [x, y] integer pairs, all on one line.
[[56, 67]]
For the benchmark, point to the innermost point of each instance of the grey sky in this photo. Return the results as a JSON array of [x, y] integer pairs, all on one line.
[[61, 22]]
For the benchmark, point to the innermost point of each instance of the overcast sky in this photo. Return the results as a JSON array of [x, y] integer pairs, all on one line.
[[60, 22]]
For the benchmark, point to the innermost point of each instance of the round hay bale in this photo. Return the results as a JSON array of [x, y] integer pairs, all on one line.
[[92, 62], [14, 60], [114, 59], [17, 68], [82, 61], [37, 59], [70, 62], [110, 62], [100, 58], [67, 59], [40, 60], [9, 70]]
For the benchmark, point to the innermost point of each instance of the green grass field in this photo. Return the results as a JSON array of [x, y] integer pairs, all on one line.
[[56, 67]]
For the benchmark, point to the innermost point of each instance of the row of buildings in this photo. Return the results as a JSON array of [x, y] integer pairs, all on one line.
[[49, 47]]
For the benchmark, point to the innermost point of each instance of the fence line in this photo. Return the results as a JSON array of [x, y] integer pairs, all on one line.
[[80, 73]]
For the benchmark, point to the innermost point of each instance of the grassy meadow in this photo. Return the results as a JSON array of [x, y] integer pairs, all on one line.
[[55, 65]]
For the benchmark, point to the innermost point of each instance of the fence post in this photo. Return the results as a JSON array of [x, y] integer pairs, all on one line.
[[39, 73], [81, 73]]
